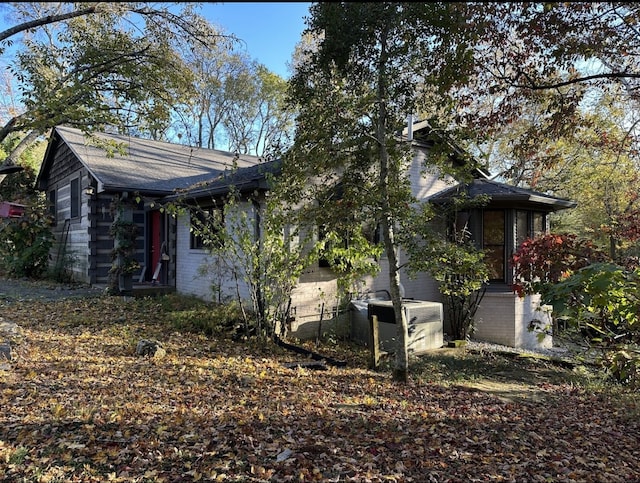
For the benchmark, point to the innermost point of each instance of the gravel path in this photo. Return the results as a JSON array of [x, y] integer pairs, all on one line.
[[559, 352], [19, 290]]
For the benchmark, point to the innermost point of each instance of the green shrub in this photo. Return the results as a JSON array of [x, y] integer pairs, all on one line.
[[623, 366], [462, 276], [209, 319], [25, 245], [602, 300], [598, 299], [602, 303]]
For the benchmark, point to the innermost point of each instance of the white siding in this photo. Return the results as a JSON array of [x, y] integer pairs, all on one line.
[[504, 318], [189, 280], [426, 182], [198, 272]]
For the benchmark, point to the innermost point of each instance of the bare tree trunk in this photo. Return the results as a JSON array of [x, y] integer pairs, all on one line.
[[401, 369], [22, 146]]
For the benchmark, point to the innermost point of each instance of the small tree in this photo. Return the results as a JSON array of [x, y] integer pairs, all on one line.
[[543, 261], [451, 258], [373, 65], [25, 243], [260, 243], [254, 244], [463, 276]]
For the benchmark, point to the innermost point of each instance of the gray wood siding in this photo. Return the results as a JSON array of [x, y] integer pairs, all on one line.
[[83, 244], [70, 251], [101, 242]]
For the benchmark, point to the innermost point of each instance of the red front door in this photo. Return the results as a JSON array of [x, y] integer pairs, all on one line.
[[156, 241]]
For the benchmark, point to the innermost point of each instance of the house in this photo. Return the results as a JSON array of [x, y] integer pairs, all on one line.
[[82, 179], [511, 215], [83, 176]]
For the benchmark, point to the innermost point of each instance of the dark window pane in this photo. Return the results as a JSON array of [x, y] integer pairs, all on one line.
[[522, 227], [493, 242], [494, 257], [52, 204], [538, 224], [493, 228], [75, 198], [206, 225]]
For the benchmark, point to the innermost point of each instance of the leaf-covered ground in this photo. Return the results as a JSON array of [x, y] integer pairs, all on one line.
[[77, 404]]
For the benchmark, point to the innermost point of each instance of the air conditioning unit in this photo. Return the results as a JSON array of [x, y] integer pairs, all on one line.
[[424, 321]]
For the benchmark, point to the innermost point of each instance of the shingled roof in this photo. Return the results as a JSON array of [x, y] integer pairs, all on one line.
[[147, 166], [242, 179], [502, 192]]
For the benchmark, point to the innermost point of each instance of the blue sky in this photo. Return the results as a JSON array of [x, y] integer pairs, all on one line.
[[271, 30]]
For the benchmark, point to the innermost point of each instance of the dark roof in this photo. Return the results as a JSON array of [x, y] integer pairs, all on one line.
[[502, 192], [147, 166], [242, 179]]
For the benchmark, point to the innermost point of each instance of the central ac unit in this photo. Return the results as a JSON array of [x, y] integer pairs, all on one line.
[[424, 321]]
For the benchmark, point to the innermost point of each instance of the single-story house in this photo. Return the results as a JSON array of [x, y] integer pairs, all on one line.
[[82, 179], [83, 176]]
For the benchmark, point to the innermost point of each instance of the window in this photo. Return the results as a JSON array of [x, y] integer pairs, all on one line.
[[206, 226], [52, 204], [498, 233], [75, 198], [529, 224], [493, 243]]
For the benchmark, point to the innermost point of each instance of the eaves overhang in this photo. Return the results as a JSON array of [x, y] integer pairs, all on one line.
[[503, 194]]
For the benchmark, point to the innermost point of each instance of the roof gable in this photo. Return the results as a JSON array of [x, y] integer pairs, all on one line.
[[147, 166]]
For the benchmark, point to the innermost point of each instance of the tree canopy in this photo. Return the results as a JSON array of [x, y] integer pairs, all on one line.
[[547, 63], [98, 65], [237, 104], [354, 89]]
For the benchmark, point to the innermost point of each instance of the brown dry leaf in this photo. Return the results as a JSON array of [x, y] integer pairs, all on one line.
[[81, 406]]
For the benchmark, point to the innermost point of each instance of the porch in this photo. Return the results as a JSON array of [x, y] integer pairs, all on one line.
[[145, 289]]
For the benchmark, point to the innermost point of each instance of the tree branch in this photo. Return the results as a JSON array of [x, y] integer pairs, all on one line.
[[554, 85], [49, 19]]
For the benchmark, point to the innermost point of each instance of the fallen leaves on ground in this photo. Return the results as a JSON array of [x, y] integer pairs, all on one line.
[[78, 405]]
